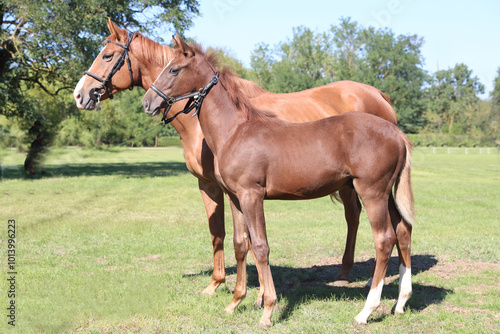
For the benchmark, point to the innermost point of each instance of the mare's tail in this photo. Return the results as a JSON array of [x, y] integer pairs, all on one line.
[[402, 191]]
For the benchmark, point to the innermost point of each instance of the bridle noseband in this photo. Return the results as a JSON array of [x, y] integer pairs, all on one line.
[[96, 93], [195, 99]]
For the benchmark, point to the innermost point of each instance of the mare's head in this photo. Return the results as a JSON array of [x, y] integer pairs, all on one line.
[[188, 71], [112, 58]]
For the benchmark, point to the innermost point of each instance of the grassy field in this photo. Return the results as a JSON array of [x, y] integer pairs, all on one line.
[[117, 241]]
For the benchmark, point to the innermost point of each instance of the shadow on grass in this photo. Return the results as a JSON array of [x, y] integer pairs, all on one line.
[[128, 170], [298, 285]]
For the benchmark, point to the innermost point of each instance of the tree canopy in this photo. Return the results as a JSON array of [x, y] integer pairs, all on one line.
[[379, 58], [45, 46], [48, 44]]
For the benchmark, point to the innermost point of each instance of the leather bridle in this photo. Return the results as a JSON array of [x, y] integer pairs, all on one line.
[[96, 92], [195, 99]]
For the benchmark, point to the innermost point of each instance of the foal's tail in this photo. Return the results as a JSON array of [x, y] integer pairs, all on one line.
[[402, 191]]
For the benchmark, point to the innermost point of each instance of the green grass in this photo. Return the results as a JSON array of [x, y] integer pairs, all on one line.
[[117, 241]]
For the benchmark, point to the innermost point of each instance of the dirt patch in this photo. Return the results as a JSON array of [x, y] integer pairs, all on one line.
[[490, 318], [461, 268], [149, 258]]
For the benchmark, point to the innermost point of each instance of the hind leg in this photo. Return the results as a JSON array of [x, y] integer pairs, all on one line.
[[352, 210], [403, 231], [384, 239]]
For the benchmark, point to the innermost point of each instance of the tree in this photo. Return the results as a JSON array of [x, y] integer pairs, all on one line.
[[306, 58], [49, 43], [303, 63], [493, 122], [378, 58], [227, 59], [393, 64], [347, 47], [261, 62], [453, 95]]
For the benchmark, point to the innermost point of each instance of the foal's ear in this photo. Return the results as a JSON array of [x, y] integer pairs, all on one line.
[[183, 46]]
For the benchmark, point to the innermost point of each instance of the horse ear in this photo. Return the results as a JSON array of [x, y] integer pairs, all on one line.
[[183, 46], [176, 44], [121, 34], [111, 26]]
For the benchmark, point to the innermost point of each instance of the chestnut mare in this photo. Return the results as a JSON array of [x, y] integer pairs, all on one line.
[[143, 62], [260, 157]]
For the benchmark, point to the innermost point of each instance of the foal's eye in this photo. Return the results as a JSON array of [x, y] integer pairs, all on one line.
[[174, 71], [107, 57]]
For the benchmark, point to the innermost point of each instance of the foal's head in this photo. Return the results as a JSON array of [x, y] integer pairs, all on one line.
[[188, 71]]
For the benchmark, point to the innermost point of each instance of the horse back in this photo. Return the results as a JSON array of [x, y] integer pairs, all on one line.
[[333, 99], [309, 160]]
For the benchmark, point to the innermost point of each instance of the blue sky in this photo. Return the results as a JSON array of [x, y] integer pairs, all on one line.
[[453, 31]]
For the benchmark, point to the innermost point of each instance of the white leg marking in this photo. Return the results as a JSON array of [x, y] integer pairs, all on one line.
[[405, 289], [372, 302]]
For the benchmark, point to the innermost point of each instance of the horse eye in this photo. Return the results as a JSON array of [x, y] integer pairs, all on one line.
[[107, 57], [174, 71]]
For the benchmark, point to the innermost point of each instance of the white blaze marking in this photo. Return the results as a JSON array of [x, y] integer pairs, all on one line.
[[164, 69], [79, 85]]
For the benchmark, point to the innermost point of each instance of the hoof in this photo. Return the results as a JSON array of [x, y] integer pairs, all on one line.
[[343, 278], [341, 282], [208, 293], [259, 303], [263, 324], [358, 322], [229, 310], [210, 290], [396, 310]]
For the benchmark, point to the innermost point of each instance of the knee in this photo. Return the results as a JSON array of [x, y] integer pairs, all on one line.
[[261, 250], [386, 244], [218, 242], [240, 249]]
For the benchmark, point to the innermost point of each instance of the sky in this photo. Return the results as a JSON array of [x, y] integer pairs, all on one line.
[[453, 31]]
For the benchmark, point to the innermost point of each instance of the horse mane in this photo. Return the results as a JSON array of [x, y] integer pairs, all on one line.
[[249, 88], [154, 52], [236, 87]]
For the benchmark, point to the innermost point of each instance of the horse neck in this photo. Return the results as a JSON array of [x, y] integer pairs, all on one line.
[[149, 69], [219, 118]]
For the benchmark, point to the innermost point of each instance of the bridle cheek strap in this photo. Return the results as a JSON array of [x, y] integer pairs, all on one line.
[[195, 100], [95, 93]]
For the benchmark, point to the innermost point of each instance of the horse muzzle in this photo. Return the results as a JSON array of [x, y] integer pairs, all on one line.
[[152, 108]]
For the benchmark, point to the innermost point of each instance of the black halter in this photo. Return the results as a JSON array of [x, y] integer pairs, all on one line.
[[195, 99], [96, 93]]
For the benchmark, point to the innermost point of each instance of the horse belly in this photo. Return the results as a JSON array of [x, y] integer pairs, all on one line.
[[305, 176]]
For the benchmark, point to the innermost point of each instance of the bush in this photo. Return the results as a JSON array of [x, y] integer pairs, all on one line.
[[169, 141], [450, 140]]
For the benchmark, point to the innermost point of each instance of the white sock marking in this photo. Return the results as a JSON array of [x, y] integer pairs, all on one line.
[[372, 302]]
